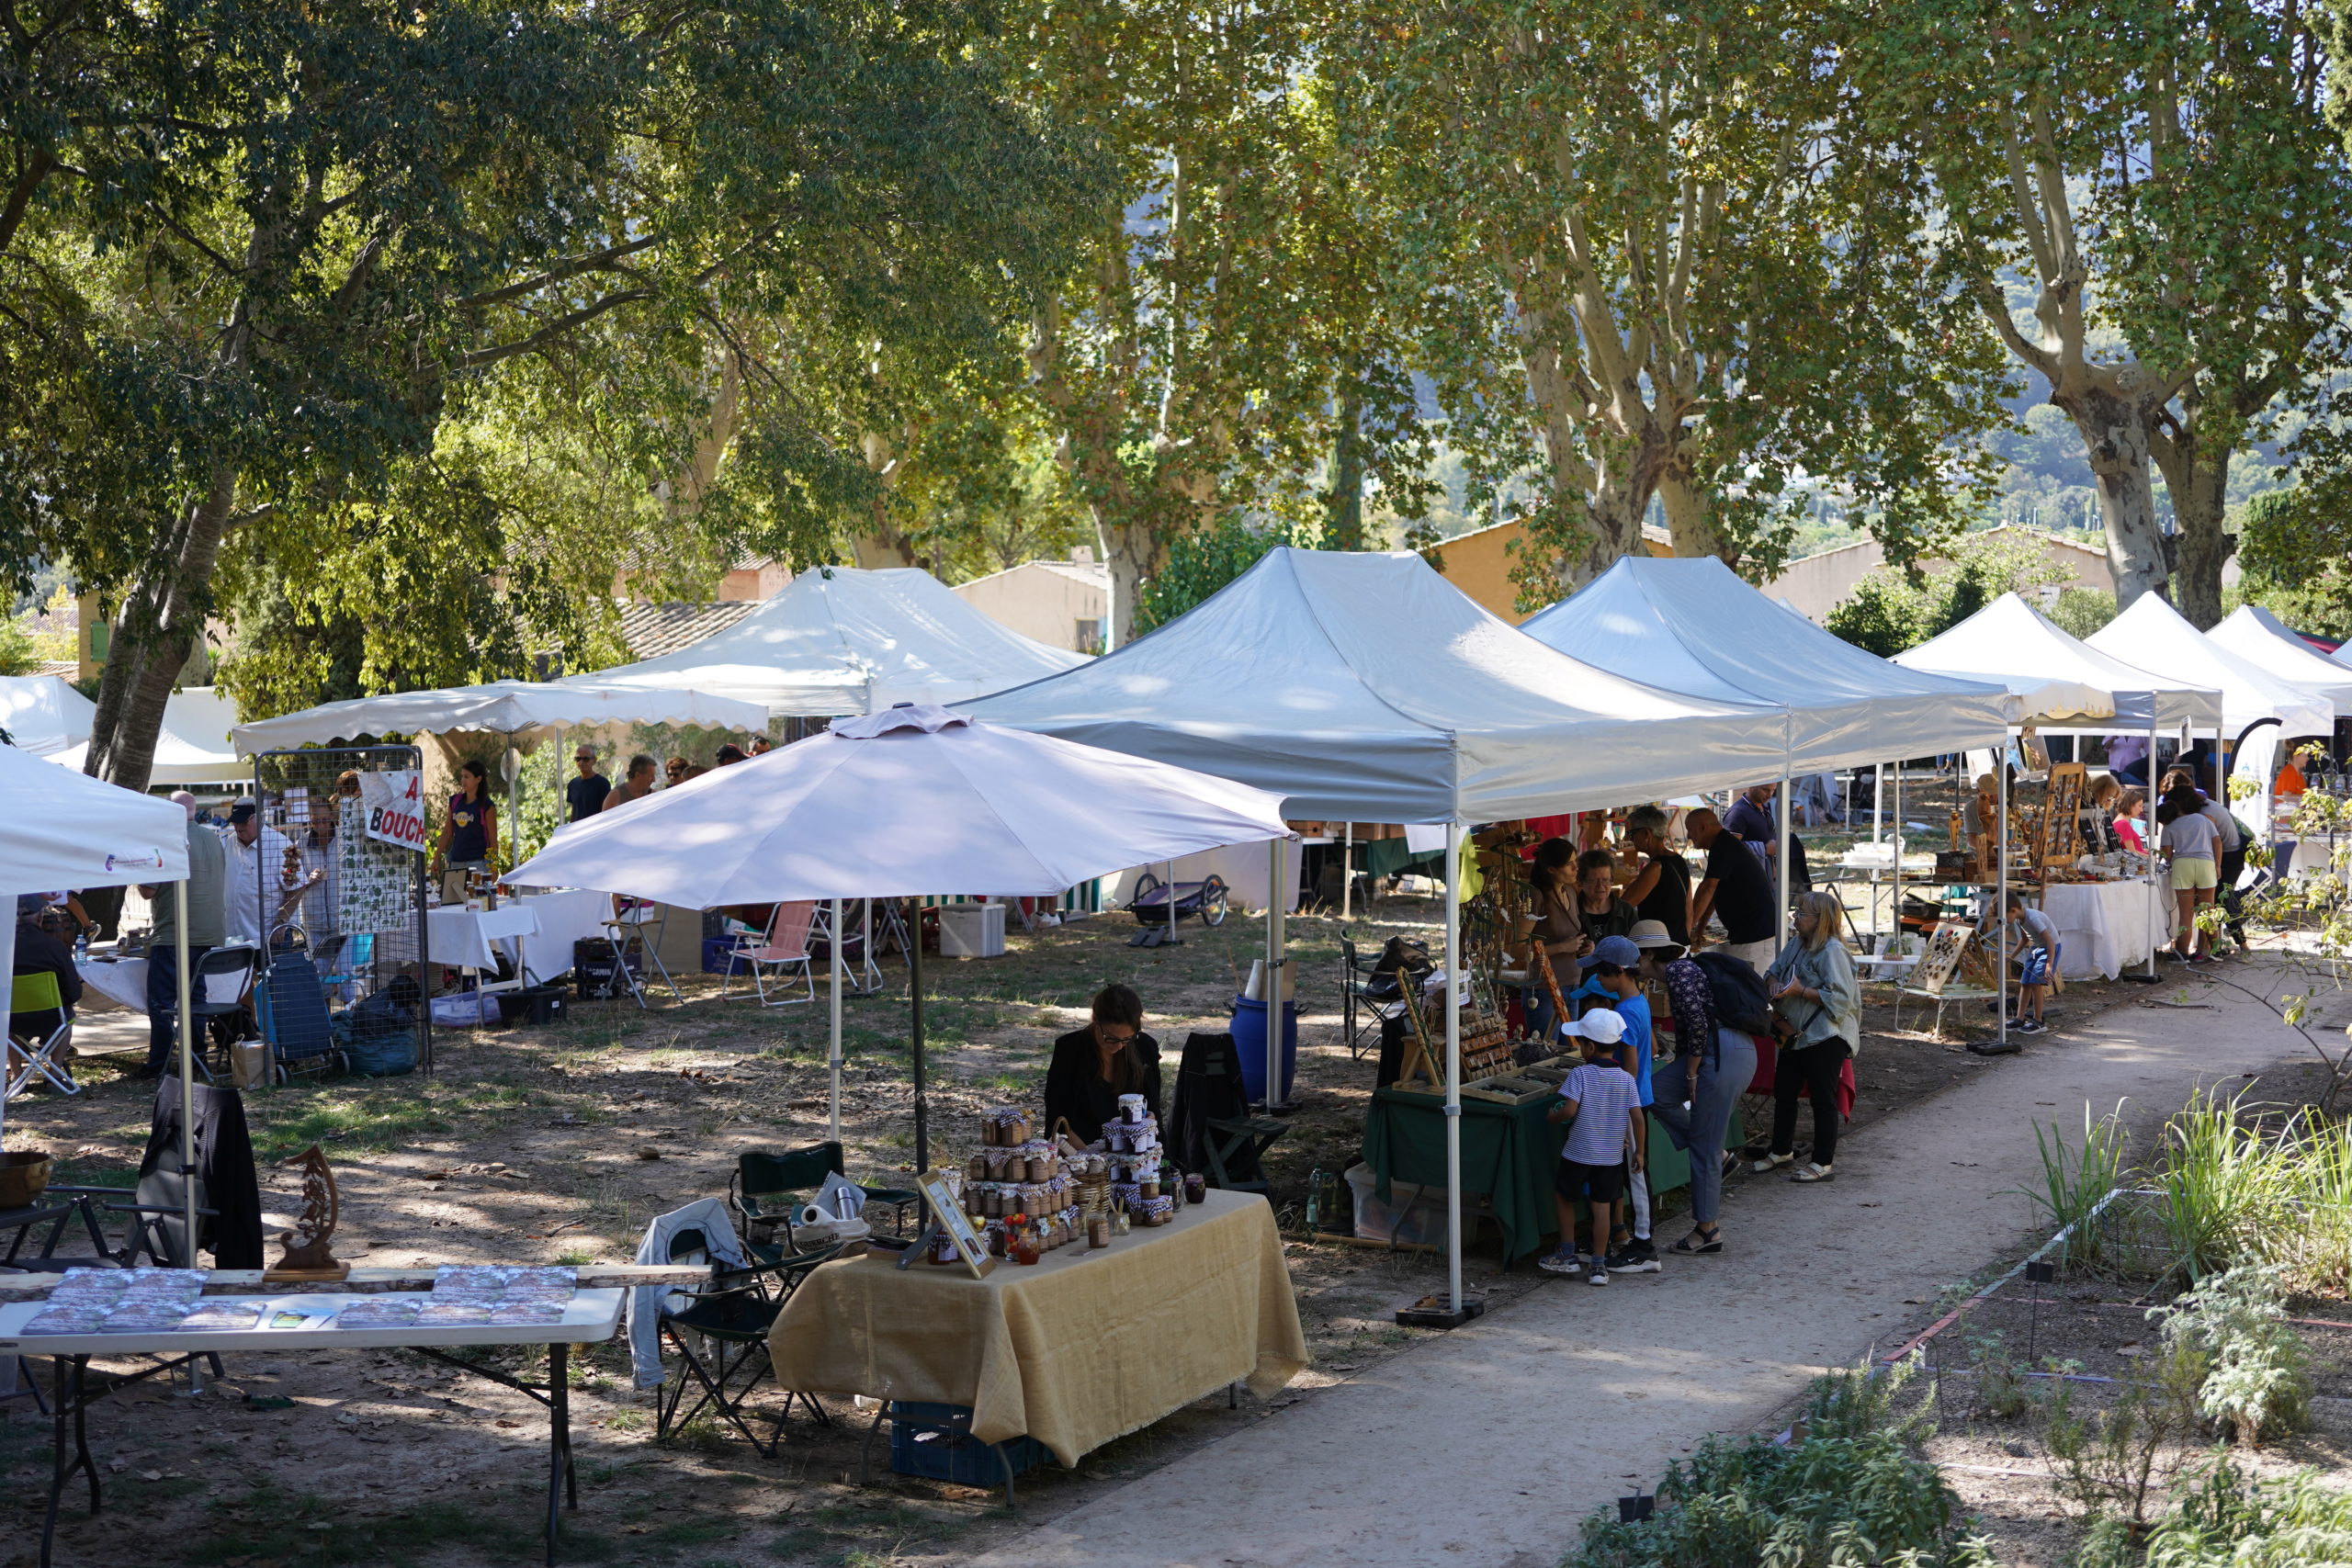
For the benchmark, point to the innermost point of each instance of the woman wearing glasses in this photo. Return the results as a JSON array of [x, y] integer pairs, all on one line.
[[1093, 1066]]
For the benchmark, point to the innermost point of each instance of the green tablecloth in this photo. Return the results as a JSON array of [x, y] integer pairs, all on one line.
[[1389, 857], [1507, 1153]]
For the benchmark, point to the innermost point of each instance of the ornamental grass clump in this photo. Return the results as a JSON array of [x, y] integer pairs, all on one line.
[[1851, 1490]]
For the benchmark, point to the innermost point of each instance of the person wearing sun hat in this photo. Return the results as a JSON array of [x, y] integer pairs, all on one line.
[[1598, 1101]]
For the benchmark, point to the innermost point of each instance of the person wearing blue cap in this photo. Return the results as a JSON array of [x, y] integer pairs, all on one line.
[[1614, 967]]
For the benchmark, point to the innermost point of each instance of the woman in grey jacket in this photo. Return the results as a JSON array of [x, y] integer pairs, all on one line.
[[1813, 988]]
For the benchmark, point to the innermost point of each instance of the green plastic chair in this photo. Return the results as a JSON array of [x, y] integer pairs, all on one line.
[[769, 1186]]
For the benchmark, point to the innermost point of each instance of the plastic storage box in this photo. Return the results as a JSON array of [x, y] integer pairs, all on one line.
[[935, 1441], [971, 930]]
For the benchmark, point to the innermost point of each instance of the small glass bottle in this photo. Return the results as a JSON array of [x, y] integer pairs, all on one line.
[[1024, 1244], [1119, 1221]]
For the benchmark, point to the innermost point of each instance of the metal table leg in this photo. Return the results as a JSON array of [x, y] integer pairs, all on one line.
[[68, 1406], [563, 1482]]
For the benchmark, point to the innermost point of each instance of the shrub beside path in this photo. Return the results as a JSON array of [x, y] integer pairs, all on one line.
[[1490, 1445]]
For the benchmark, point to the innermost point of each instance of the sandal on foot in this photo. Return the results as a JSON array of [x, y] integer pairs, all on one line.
[[1772, 1162], [1707, 1237], [1814, 1172]]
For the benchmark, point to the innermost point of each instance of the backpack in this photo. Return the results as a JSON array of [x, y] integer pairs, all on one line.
[[1736, 993]]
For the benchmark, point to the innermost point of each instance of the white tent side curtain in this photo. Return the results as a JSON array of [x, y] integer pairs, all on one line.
[[1364, 685]]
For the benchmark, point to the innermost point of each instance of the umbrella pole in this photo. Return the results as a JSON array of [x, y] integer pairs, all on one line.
[[1452, 1001], [1347, 868], [833, 1055], [914, 989], [1272, 992]]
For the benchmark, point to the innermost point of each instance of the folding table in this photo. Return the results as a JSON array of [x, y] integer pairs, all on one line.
[[591, 1317]]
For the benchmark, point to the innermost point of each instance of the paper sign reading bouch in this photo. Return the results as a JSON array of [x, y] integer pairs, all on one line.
[[395, 802]]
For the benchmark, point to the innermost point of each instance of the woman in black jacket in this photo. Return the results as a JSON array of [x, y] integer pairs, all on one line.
[[1093, 1066]]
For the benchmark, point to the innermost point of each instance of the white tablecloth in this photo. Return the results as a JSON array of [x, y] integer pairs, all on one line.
[[564, 919], [2105, 928], [461, 937], [123, 982]]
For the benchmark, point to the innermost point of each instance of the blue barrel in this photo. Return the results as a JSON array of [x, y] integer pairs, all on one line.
[[1250, 1039]]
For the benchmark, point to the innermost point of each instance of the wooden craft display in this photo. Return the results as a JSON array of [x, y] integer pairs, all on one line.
[[2061, 825], [1946, 945], [308, 1258]]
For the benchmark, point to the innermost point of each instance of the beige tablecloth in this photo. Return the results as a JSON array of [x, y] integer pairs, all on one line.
[[1075, 1350]]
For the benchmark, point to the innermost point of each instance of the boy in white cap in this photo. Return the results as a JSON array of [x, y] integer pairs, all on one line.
[[1600, 1101], [1614, 967]]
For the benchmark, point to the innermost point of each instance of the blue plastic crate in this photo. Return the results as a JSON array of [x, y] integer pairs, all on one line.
[[714, 953], [934, 1441]]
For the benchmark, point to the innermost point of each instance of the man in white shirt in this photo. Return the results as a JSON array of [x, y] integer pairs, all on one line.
[[256, 882]]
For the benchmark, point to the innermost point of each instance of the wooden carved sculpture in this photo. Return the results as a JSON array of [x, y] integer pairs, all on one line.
[[307, 1253]]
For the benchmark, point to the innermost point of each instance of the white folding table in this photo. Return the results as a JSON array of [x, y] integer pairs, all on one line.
[[591, 1317]]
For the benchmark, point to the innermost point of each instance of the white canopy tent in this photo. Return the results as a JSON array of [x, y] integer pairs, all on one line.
[[524, 712], [1694, 626], [1364, 686], [2066, 684], [2063, 681], [842, 640], [192, 747], [896, 805], [2157, 638], [64, 829], [43, 715], [2253, 633]]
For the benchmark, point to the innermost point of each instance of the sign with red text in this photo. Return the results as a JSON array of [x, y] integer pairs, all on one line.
[[394, 803]]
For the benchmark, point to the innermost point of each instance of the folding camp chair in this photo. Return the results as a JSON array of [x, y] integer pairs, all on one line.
[[45, 1059], [629, 926], [1360, 1001], [219, 989], [785, 947], [860, 974], [769, 1186], [730, 1318]]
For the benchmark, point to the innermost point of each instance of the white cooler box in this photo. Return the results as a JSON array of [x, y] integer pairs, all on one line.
[[971, 930], [1416, 1217]]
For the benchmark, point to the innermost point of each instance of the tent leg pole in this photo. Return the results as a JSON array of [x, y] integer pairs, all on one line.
[[914, 989], [1894, 895], [1171, 903], [2001, 902], [1453, 999], [1272, 992], [188, 1092], [1877, 821], [833, 1054], [1347, 870], [1781, 853], [2148, 838]]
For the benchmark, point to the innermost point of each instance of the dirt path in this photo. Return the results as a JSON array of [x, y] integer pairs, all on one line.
[[1491, 1445]]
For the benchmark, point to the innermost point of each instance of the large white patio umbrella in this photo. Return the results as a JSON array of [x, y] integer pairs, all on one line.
[[910, 801], [62, 829]]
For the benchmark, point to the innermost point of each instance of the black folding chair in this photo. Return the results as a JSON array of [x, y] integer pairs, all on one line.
[[729, 1319], [1360, 1001], [769, 1186], [1210, 1127], [222, 1022]]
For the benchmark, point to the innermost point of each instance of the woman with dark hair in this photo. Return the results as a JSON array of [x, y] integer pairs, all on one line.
[[1093, 1066], [1558, 926], [469, 835], [1600, 912]]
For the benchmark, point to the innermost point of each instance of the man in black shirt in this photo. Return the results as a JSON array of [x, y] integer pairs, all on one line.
[[585, 795], [40, 951], [1737, 889], [1660, 891]]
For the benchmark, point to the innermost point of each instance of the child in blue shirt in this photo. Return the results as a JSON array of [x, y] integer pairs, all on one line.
[[1600, 1102], [1615, 966]]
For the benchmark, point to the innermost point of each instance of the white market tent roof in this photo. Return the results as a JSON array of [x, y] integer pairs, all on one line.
[[62, 829], [2158, 638], [842, 641], [1694, 626], [2252, 632], [525, 711], [193, 747], [1364, 685], [43, 715], [2065, 683]]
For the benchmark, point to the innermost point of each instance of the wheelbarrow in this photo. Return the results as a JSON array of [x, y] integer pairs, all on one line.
[[1207, 899]]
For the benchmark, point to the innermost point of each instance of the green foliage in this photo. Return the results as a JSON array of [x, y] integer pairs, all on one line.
[[2076, 1178], [2228, 1520], [1199, 564], [2257, 1371], [2295, 552], [1894, 608], [1849, 1491], [2002, 1391], [2117, 1460], [2079, 612], [20, 652]]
